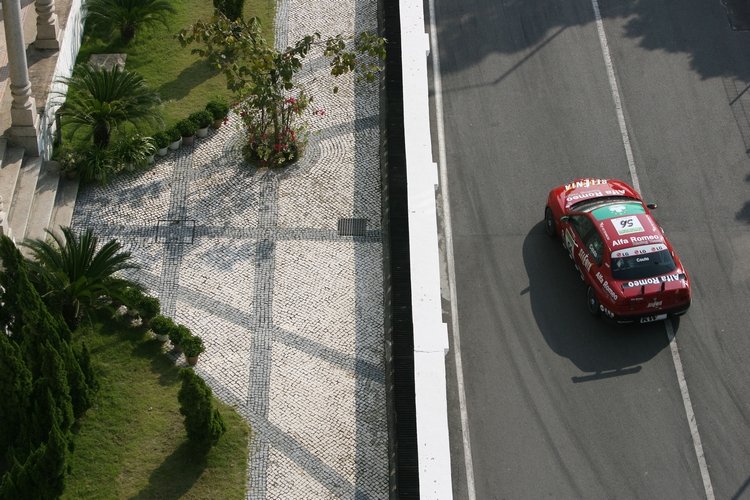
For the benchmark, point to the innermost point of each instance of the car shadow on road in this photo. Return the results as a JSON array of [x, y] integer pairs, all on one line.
[[558, 302]]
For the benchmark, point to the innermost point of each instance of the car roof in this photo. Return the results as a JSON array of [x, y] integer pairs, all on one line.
[[625, 224]]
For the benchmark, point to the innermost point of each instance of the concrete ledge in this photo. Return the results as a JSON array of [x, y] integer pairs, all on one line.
[[430, 333]]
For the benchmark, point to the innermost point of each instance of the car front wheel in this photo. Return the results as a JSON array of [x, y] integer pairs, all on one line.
[[549, 223], [592, 302]]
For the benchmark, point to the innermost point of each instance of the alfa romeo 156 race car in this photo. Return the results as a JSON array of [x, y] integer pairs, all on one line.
[[630, 269]]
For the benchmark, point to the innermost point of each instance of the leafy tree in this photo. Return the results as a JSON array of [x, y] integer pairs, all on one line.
[[203, 422], [41, 372], [127, 16], [74, 274], [102, 99], [263, 77], [15, 395]]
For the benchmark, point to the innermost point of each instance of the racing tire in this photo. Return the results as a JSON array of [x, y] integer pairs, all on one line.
[[549, 223], [592, 303]]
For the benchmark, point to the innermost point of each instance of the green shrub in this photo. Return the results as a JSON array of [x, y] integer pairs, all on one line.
[[133, 151], [203, 422], [162, 325], [219, 109], [202, 118], [90, 163], [187, 127], [192, 346], [174, 134], [149, 307], [178, 334], [232, 9], [161, 139]]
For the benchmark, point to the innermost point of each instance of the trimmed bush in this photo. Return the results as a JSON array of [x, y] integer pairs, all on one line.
[[192, 346], [187, 127], [219, 109], [161, 139], [203, 422], [162, 325], [202, 118], [173, 134], [178, 334], [232, 9]]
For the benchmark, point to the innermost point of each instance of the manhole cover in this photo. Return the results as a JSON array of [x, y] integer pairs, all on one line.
[[181, 231], [352, 227]]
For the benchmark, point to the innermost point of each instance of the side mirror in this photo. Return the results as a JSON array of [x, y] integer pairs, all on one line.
[[564, 218], [652, 205]]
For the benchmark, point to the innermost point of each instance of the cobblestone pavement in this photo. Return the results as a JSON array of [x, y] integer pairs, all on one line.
[[251, 260]]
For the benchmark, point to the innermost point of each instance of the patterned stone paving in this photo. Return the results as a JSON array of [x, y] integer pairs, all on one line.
[[251, 260]]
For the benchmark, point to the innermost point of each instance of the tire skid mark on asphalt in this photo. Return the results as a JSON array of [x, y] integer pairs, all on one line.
[[690, 414]]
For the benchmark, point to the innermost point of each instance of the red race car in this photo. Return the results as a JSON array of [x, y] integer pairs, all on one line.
[[629, 266]]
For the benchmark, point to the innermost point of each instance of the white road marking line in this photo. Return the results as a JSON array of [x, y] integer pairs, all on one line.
[[667, 324], [689, 411], [438, 89], [616, 95]]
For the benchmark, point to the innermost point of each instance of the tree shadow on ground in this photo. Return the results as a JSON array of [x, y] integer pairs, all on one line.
[[473, 30], [177, 474], [188, 79]]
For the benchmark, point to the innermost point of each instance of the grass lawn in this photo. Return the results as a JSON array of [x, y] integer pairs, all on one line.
[[132, 442], [184, 81]]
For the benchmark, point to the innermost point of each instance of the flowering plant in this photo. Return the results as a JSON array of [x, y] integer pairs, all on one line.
[[276, 135]]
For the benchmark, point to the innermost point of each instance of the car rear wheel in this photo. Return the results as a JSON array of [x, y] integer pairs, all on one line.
[[549, 223], [592, 302]]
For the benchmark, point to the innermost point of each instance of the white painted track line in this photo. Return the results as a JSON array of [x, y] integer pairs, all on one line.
[[438, 89], [667, 324], [689, 411]]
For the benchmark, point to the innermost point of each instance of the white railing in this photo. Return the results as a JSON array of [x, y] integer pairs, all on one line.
[[66, 59], [430, 333]]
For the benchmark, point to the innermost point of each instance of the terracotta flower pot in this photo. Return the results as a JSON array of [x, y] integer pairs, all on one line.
[[192, 360], [188, 141], [217, 124]]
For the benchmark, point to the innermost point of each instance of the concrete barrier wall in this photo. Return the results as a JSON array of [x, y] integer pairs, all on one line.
[[66, 59], [430, 333]]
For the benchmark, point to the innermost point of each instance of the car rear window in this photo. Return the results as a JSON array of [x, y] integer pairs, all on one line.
[[642, 262], [612, 210]]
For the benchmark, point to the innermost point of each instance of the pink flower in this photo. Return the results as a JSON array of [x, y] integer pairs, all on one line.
[[319, 112]]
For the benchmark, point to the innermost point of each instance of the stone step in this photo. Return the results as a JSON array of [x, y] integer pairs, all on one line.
[[23, 196], [62, 213], [10, 165], [44, 200]]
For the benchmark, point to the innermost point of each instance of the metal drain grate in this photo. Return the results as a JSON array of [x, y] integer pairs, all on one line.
[[181, 231], [352, 227]]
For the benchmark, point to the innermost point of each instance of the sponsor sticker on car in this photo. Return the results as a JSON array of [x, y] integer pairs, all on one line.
[[627, 225]]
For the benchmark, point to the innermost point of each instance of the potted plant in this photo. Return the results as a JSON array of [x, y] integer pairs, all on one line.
[[177, 335], [162, 140], [133, 151], [203, 119], [175, 137], [187, 128], [161, 326], [219, 111], [192, 347]]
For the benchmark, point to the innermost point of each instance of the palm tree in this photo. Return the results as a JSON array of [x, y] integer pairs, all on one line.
[[73, 276], [103, 99], [126, 15]]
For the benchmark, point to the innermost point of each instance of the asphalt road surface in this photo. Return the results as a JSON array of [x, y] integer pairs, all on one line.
[[559, 404]]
